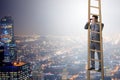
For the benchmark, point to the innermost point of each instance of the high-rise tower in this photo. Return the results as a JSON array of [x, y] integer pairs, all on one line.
[[7, 39], [9, 68]]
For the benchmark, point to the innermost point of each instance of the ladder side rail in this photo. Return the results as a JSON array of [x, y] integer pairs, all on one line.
[[88, 65], [101, 42]]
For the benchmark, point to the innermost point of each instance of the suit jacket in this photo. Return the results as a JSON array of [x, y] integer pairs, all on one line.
[[94, 27]]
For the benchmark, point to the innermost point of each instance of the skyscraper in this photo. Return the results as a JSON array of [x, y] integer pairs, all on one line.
[[9, 68], [7, 39]]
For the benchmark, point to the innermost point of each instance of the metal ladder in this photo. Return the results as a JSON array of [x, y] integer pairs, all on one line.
[[97, 8]]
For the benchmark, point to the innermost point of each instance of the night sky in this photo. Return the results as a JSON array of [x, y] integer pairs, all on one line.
[[57, 17]]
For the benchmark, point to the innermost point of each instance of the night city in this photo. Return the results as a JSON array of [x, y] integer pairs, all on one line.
[[49, 40]]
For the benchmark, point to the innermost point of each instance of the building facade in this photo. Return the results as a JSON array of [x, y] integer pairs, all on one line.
[[20, 71], [7, 39], [10, 69]]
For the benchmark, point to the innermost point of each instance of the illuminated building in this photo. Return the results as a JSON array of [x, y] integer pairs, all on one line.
[[9, 68], [19, 71], [7, 39]]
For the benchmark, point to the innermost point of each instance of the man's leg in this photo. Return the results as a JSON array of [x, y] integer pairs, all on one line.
[[99, 57], [92, 57], [92, 54], [97, 47]]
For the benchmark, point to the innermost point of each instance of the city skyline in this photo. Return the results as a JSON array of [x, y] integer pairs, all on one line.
[[39, 25], [58, 17], [41, 50]]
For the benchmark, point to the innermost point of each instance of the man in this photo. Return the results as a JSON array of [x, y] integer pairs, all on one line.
[[95, 27]]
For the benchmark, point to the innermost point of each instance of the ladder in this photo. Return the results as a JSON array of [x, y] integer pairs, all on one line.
[[95, 9]]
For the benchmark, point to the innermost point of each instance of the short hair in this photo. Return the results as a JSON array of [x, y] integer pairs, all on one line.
[[96, 17]]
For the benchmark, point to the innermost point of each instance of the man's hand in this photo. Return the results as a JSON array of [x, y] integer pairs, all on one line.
[[89, 21]]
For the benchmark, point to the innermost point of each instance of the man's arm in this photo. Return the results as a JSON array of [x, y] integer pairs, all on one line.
[[87, 24], [102, 26]]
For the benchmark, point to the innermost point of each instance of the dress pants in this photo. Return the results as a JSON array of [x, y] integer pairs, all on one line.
[[95, 46]]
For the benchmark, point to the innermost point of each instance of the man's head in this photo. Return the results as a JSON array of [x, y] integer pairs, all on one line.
[[94, 18]]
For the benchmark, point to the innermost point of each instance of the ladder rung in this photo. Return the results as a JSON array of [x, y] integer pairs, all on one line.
[[96, 70], [95, 41], [95, 50], [95, 32], [96, 60], [97, 0], [94, 14], [94, 7]]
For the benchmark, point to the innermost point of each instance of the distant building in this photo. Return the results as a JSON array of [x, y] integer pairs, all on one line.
[[7, 39], [18, 71], [9, 68], [116, 76], [105, 78]]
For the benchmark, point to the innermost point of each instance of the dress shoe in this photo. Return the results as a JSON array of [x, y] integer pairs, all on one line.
[[92, 68], [99, 70]]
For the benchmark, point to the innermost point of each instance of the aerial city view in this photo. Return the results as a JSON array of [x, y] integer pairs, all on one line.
[[47, 40]]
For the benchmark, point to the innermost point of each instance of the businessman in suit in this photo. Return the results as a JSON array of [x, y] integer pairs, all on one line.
[[94, 26]]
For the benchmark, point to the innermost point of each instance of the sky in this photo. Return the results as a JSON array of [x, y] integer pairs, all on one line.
[[58, 17]]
